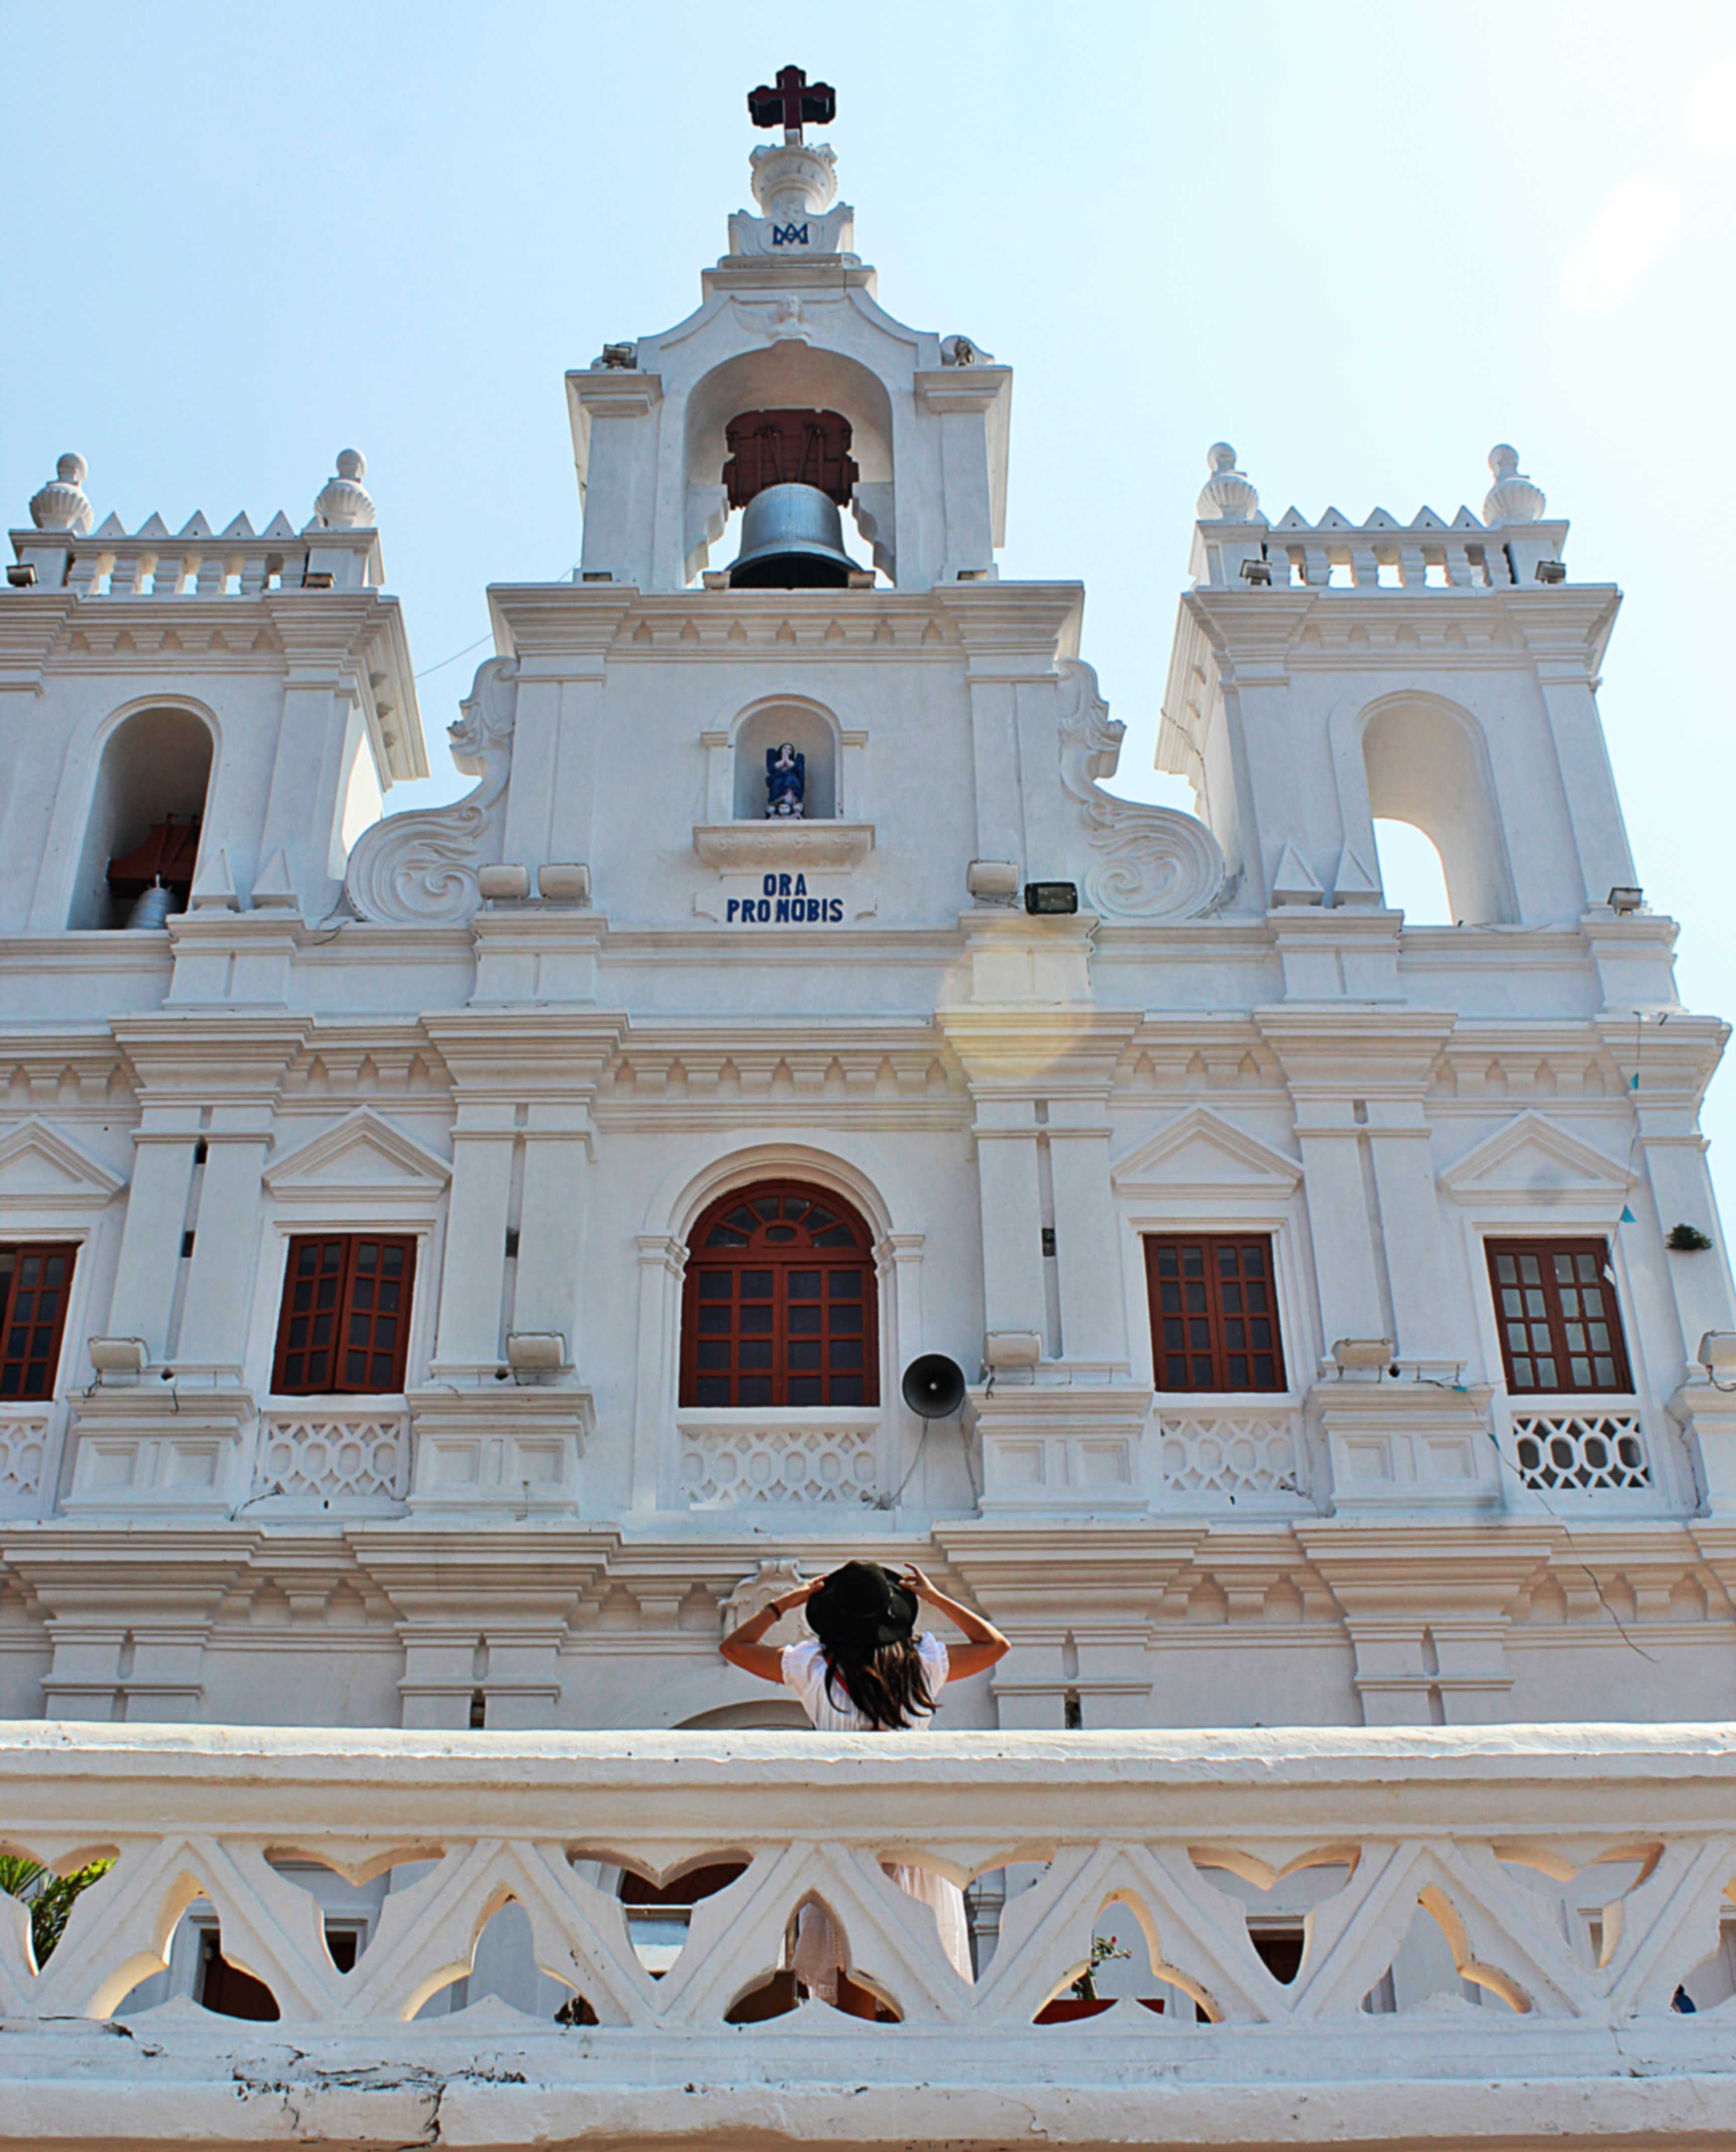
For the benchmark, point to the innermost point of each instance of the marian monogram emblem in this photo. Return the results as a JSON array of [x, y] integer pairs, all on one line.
[[789, 235]]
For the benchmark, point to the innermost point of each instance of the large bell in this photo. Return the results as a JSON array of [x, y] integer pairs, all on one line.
[[792, 539]]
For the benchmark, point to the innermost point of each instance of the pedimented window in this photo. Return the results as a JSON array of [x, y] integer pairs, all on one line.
[[344, 1323], [1214, 1312], [35, 1282], [1561, 1323]]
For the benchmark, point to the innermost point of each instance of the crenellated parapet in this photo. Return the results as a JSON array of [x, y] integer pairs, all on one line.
[[338, 549], [1510, 545]]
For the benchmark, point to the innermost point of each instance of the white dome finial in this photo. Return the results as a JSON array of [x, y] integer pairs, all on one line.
[[792, 181], [1227, 496], [343, 503], [61, 505], [1513, 498]]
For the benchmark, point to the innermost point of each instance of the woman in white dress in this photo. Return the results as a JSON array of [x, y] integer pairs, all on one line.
[[866, 1672]]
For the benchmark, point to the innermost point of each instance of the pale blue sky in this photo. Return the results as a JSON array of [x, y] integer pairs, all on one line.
[[1361, 243]]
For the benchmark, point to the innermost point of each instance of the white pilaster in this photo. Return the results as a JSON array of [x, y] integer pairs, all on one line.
[[155, 1218], [1087, 1254], [225, 1244], [661, 1259], [468, 1341]]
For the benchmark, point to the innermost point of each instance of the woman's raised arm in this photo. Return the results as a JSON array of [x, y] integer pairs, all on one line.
[[741, 1647], [984, 1645]]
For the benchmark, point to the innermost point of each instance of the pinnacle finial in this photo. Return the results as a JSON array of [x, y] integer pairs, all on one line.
[[343, 503], [1513, 498], [1228, 495], [61, 504]]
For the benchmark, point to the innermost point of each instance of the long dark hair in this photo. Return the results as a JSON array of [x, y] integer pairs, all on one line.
[[886, 1682]]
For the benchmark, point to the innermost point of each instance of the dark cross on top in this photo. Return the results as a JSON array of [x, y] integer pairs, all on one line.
[[794, 101]]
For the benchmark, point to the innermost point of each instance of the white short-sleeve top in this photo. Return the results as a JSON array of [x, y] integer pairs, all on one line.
[[832, 1712]]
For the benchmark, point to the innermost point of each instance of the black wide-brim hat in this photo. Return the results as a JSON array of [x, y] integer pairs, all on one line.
[[862, 1605]]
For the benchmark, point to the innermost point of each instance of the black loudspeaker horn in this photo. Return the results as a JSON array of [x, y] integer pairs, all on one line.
[[934, 1386]]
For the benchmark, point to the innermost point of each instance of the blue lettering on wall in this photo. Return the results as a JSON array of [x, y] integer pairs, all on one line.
[[786, 902]]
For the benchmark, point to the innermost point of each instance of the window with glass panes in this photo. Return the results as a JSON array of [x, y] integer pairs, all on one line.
[[1555, 1303], [778, 1305], [345, 1320], [1214, 1312], [35, 1277]]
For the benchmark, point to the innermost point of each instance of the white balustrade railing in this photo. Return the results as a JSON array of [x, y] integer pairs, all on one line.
[[1380, 554], [24, 1436], [1575, 1884], [198, 562], [789, 1460], [1220, 1456], [1589, 1450], [332, 1456]]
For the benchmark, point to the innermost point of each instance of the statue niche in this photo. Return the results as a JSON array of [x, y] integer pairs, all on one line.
[[785, 763]]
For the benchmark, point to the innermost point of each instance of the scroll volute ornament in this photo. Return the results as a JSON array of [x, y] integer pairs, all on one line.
[[1149, 862], [419, 868]]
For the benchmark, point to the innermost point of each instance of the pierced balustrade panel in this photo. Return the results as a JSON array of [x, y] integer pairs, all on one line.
[[1583, 1452], [1418, 1930], [1213, 1457], [758, 1463], [334, 1457], [23, 1456]]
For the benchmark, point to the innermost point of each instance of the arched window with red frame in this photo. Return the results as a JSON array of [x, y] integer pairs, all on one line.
[[779, 1305]]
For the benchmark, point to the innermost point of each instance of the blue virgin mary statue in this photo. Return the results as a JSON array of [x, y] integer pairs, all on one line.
[[786, 780]]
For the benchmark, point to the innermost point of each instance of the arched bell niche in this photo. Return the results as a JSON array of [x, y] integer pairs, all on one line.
[[1425, 764], [790, 379], [812, 733], [147, 810]]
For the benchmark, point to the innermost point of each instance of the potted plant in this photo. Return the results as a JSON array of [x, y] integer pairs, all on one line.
[[1084, 2000]]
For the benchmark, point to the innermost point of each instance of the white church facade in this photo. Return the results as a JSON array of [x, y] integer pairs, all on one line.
[[454, 1262]]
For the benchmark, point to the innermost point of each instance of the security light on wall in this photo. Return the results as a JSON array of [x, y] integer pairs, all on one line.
[[1256, 571], [1052, 896], [119, 1356], [1717, 1354], [535, 1352], [1625, 900], [1551, 571], [1362, 1353]]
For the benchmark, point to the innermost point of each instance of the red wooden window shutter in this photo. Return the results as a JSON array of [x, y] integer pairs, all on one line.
[[1214, 1312], [35, 1281], [346, 1316], [1560, 1326], [779, 1305]]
